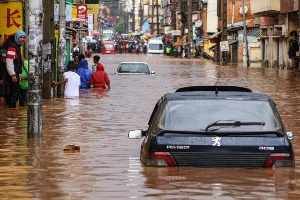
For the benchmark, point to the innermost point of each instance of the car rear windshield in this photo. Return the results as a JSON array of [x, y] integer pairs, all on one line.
[[155, 46], [108, 46], [197, 115], [134, 68]]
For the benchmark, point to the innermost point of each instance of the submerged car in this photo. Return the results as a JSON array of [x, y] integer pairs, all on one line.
[[134, 68], [215, 127]]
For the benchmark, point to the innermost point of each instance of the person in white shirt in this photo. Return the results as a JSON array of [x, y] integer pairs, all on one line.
[[76, 49], [72, 80]]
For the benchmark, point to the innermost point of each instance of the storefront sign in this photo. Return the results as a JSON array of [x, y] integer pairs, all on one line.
[[176, 32], [81, 11], [93, 9], [11, 18]]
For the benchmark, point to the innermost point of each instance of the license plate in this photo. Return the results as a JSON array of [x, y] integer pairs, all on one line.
[[108, 51]]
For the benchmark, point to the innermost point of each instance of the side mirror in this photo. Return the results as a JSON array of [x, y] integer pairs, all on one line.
[[290, 135], [136, 134]]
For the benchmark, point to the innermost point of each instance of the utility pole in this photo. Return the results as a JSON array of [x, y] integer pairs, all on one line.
[[181, 26], [224, 31], [61, 45], [123, 9], [152, 16], [190, 27], [133, 16], [157, 19], [173, 15], [246, 53], [141, 12], [299, 30], [35, 38], [48, 44]]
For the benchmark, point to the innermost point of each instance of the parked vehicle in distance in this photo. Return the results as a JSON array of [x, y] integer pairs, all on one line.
[[134, 68], [155, 46], [108, 47], [215, 127]]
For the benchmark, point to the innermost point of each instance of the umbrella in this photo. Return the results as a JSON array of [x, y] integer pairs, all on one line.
[[179, 43], [149, 36]]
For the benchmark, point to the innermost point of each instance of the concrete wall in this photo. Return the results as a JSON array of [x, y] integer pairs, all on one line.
[[212, 18], [238, 17], [261, 6]]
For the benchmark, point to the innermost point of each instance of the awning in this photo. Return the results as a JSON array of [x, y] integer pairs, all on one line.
[[77, 27], [215, 35], [235, 26], [235, 41]]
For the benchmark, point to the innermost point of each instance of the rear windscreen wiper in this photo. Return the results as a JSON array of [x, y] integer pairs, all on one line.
[[233, 123]]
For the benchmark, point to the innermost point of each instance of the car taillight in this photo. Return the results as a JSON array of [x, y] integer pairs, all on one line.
[[280, 160], [160, 159]]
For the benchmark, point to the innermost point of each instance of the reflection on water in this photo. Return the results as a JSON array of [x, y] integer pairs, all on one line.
[[108, 166]]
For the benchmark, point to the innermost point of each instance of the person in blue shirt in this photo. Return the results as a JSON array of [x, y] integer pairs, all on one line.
[[85, 74]]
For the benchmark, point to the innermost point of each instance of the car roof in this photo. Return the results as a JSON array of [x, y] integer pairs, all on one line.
[[216, 92], [134, 62]]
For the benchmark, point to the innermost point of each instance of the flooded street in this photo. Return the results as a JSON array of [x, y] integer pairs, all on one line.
[[108, 166]]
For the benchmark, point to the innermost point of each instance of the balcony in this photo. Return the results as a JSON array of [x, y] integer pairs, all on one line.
[[263, 7]]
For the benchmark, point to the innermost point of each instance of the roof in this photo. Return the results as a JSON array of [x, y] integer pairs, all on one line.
[[213, 89], [215, 35], [220, 95], [238, 93], [135, 62]]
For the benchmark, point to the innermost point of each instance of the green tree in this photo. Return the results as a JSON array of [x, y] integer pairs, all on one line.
[[120, 26]]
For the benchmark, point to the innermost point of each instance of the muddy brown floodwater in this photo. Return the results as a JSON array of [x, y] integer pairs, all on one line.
[[108, 166]]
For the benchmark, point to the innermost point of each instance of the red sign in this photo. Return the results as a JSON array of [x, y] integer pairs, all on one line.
[[81, 11]]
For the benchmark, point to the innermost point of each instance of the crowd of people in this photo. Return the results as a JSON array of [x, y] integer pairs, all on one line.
[[14, 73], [78, 75], [131, 46]]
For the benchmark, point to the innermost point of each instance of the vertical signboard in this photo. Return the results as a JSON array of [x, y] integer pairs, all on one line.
[[90, 22], [11, 18], [81, 11]]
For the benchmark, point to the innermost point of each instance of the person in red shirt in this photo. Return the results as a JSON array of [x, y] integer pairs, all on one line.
[[99, 78]]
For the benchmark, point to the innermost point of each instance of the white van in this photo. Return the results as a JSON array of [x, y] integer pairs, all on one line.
[[107, 35], [155, 46]]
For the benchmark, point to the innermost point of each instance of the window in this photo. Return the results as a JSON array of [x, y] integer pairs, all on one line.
[[155, 46], [196, 115], [134, 68]]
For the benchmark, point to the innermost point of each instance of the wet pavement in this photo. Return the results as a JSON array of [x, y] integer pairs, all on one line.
[[108, 166]]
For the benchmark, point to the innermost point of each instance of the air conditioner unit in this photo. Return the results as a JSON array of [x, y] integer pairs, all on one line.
[[280, 30]]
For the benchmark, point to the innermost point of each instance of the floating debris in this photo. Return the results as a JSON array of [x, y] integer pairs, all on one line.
[[71, 147]]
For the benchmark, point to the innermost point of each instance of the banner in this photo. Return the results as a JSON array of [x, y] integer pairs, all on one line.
[[68, 12], [81, 11], [11, 18], [93, 9]]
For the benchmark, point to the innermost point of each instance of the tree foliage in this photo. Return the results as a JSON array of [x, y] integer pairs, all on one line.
[[120, 26]]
